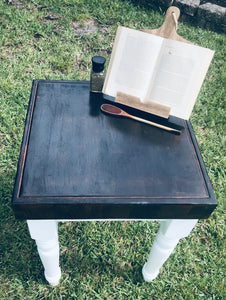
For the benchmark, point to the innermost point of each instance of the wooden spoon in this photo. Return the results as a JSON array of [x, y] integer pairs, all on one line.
[[116, 111]]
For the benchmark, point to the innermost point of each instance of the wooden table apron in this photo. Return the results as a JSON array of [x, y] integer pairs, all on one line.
[[78, 163]]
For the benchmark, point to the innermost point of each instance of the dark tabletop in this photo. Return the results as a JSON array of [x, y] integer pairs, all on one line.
[[77, 162]]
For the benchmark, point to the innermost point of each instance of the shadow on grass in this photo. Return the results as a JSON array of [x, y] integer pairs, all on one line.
[[113, 250], [103, 267]]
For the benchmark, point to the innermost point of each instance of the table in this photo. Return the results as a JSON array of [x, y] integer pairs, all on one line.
[[77, 163]]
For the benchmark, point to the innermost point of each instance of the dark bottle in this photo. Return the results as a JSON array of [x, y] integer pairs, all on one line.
[[97, 74]]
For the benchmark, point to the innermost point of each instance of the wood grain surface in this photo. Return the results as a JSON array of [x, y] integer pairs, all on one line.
[[77, 162]]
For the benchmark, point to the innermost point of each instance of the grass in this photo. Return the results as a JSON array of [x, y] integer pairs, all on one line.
[[102, 260]]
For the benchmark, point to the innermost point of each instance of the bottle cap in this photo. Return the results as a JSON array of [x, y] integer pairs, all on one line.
[[98, 63]]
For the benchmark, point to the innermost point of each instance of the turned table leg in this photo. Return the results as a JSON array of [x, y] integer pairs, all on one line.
[[45, 233], [169, 234]]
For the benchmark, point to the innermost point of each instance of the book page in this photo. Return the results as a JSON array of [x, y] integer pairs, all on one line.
[[178, 78], [132, 62]]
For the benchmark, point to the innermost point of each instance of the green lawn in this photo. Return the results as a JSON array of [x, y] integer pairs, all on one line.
[[46, 40]]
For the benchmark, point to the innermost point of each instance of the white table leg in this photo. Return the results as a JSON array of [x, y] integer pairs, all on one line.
[[169, 234], [45, 233]]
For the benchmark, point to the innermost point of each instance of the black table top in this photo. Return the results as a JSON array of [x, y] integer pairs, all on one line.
[[79, 163]]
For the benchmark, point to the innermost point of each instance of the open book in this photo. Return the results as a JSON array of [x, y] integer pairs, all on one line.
[[156, 69]]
